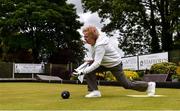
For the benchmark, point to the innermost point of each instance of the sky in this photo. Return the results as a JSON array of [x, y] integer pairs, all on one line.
[[89, 18]]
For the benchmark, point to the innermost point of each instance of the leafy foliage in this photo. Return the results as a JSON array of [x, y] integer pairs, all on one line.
[[163, 68], [43, 26], [178, 70], [144, 26], [132, 75], [108, 76]]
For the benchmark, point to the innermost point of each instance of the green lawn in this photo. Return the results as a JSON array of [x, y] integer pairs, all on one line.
[[46, 96]]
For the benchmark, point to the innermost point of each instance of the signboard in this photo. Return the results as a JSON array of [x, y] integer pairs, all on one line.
[[29, 68], [145, 61], [130, 63]]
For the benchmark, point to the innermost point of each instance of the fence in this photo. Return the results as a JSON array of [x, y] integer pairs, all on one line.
[[30, 70], [141, 62]]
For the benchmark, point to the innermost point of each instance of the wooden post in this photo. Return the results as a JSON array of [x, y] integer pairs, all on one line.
[[50, 69], [13, 70]]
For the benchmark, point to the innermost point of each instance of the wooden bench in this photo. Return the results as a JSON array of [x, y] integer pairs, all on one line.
[[155, 77], [48, 78]]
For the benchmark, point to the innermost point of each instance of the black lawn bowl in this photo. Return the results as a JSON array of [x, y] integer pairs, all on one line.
[[65, 94]]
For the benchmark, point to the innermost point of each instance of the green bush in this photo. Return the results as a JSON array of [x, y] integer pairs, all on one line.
[[130, 74], [178, 70], [140, 73], [177, 75], [73, 78], [108, 76], [163, 68]]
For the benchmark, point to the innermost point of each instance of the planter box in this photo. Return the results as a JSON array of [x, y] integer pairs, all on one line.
[[155, 77]]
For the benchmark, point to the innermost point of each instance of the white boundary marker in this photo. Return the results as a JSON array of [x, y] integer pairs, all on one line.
[[145, 96]]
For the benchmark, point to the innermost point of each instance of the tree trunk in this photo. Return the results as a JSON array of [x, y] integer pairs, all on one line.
[[154, 41], [166, 36]]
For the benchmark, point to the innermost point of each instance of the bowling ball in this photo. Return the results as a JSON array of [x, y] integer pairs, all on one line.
[[65, 94]]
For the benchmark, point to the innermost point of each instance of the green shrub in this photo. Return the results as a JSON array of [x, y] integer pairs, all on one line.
[[108, 76], [163, 68], [132, 75], [100, 76], [73, 78], [177, 75], [178, 70], [140, 73]]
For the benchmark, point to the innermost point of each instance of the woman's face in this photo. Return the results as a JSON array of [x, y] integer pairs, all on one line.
[[89, 39]]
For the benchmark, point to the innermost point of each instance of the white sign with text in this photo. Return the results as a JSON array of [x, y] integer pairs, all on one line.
[[145, 61], [130, 63], [29, 68]]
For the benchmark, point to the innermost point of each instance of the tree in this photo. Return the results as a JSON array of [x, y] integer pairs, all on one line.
[[40, 27], [145, 26]]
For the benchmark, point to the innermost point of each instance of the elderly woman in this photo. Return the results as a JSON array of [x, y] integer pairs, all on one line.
[[106, 58]]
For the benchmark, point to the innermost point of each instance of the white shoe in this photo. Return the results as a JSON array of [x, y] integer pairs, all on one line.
[[93, 94], [151, 88]]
